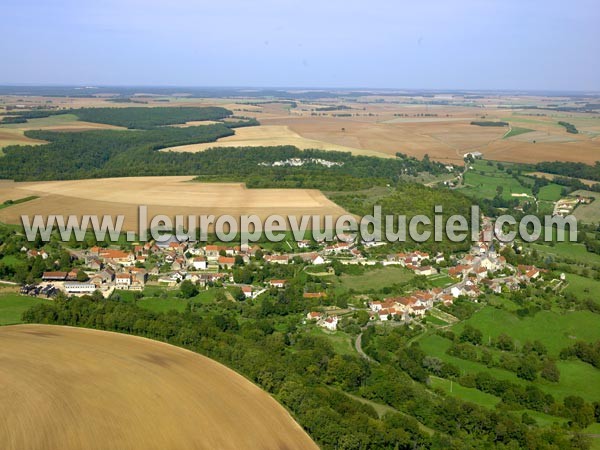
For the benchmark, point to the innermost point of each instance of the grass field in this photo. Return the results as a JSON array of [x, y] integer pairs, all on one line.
[[582, 287], [487, 400], [375, 279], [551, 192], [12, 307], [341, 342], [128, 392], [555, 330], [162, 195], [588, 213], [570, 250], [483, 181], [515, 131]]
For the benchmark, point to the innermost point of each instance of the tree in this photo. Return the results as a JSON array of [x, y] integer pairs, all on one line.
[[527, 368], [188, 289], [549, 371], [471, 334], [82, 276]]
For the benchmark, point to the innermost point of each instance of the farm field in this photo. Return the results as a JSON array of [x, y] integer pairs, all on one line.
[[162, 195], [370, 126], [129, 392], [375, 279], [13, 305], [271, 135]]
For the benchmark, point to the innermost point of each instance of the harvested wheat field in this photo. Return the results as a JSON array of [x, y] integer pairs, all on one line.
[[162, 195], [271, 135], [74, 388]]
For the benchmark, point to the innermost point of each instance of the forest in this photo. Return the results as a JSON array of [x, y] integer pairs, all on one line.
[[314, 382], [571, 169], [132, 117]]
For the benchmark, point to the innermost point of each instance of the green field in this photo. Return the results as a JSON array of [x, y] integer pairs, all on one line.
[[342, 342], [515, 131], [50, 121], [550, 192], [483, 180], [555, 330], [569, 250], [12, 307], [588, 213], [375, 279], [582, 287], [159, 299]]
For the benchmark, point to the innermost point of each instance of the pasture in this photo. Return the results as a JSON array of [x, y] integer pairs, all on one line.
[[13, 305], [129, 392]]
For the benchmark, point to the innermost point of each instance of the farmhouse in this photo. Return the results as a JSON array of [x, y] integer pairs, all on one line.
[[54, 276]]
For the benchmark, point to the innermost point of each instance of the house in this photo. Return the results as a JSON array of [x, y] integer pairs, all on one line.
[[138, 275], [94, 263], [178, 263], [277, 259], [116, 256], [330, 323], [313, 315], [247, 290], [424, 270], [419, 311], [303, 244], [278, 283], [199, 263], [457, 291], [375, 306], [122, 280], [33, 253], [212, 252], [226, 261]]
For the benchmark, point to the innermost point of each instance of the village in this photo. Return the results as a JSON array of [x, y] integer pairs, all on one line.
[[169, 263]]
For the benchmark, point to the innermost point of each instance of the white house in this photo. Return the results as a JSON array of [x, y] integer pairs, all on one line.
[[122, 280], [199, 263], [330, 323]]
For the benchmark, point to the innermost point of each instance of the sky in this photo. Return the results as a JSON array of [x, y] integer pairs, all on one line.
[[416, 44]]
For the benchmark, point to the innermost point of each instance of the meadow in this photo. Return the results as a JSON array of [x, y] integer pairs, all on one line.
[[13, 305]]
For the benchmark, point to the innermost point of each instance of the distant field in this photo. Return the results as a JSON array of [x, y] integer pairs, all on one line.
[[128, 392], [515, 131], [269, 136], [162, 195]]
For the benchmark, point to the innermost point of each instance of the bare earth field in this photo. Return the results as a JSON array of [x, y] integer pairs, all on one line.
[[162, 195], [73, 388]]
